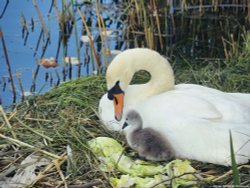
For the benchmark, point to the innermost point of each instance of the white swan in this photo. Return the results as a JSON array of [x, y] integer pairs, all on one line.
[[195, 119]]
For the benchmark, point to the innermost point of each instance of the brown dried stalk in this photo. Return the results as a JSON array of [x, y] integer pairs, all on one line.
[[20, 143], [41, 19], [20, 84], [8, 65], [100, 32], [158, 23], [90, 40], [7, 122]]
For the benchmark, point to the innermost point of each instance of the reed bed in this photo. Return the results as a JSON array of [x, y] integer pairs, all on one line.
[[46, 125]]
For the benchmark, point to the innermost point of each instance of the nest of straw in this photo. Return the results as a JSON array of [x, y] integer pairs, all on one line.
[[66, 116]]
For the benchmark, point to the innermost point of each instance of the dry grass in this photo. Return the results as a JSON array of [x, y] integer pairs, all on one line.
[[67, 115]]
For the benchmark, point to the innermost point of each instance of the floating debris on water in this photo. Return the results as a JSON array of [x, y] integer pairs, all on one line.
[[85, 38], [47, 63], [72, 60]]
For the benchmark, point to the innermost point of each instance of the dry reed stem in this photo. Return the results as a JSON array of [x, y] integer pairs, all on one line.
[[7, 122], [145, 24], [36, 119], [42, 175], [158, 24], [100, 32], [20, 143], [151, 28], [57, 11], [90, 39], [225, 48], [20, 83], [106, 36], [41, 19], [229, 173], [13, 113], [137, 11], [57, 165], [8, 65]]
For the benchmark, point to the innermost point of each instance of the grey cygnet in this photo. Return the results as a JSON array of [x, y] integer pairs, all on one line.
[[149, 143]]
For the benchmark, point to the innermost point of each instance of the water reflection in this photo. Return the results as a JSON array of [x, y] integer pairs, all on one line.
[[63, 38]]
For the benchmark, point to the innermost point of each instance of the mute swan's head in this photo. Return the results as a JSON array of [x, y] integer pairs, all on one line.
[[133, 120], [122, 68]]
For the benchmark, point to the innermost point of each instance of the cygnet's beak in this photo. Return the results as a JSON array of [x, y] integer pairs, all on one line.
[[118, 101], [125, 125]]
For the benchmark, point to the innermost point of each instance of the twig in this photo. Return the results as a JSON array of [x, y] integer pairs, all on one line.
[[41, 19], [20, 143], [57, 165], [41, 175], [7, 122], [229, 173], [8, 65]]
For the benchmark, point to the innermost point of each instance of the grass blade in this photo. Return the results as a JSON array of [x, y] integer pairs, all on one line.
[[236, 176]]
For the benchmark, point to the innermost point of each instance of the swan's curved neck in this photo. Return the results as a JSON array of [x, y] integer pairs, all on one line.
[[124, 66], [162, 77]]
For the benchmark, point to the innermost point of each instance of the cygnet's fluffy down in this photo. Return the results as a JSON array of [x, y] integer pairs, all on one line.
[[149, 143]]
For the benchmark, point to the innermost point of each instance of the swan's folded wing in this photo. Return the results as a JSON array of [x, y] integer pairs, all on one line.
[[181, 104]]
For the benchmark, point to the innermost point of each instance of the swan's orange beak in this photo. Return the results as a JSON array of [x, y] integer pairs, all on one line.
[[118, 105]]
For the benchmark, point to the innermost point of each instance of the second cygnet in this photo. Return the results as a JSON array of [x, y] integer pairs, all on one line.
[[149, 144]]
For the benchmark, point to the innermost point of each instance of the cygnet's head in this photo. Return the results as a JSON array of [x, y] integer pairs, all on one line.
[[133, 119]]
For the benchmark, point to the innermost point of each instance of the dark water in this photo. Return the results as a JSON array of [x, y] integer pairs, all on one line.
[[191, 34], [21, 48]]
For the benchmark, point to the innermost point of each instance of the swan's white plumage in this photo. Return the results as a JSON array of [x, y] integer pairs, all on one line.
[[195, 119]]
